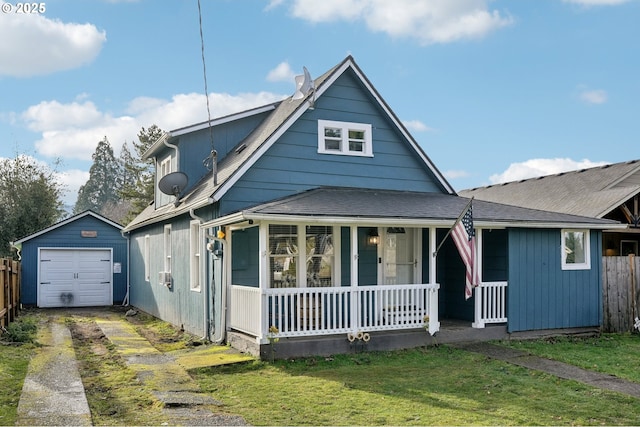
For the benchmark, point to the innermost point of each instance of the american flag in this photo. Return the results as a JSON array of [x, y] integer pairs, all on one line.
[[464, 236]]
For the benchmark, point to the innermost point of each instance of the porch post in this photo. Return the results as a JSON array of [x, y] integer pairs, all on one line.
[[479, 321], [432, 259], [353, 307], [264, 279]]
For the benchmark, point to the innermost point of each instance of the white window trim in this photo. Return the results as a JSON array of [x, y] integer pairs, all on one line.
[[147, 256], [587, 250], [194, 255], [165, 166], [167, 248], [344, 146], [301, 267]]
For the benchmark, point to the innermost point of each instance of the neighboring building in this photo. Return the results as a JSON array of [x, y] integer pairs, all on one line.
[[609, 191], [79, 262], [320, 216]]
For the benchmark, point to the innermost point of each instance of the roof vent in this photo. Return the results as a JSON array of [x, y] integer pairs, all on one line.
[[241, 148]]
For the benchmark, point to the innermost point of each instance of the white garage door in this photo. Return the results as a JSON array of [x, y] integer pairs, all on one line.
[[75, 278]]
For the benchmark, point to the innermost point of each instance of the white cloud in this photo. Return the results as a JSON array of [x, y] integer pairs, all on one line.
[[281, 73], [436, 21], [597, 96], [416, 126], [539, 167], [72, 180], [73, 130], [35, 45], [455, 174]]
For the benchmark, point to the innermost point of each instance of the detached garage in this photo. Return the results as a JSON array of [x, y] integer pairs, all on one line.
[[78, 262]]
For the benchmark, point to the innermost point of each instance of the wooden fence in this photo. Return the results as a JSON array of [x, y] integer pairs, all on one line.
[[9, 290], [620, 292]]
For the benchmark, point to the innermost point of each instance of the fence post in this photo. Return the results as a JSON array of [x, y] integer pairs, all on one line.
[[632, 281]]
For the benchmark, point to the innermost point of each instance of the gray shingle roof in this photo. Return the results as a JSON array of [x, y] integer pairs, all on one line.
[[592, 192], [376, 204]]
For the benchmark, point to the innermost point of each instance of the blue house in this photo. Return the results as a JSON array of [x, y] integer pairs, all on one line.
[[318, 217], [79, 262]]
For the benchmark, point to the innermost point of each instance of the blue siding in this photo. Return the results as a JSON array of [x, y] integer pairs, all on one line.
[[293, 163], [179, 305], [542, 295], [69, 236]]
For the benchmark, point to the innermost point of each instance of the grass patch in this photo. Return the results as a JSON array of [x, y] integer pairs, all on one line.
[[432, 386], [615, 354], [162, 335], [114, 393], [14, 361]]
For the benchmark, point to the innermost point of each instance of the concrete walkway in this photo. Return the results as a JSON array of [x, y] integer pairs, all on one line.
[[53, 393], [183, 401], [559, 369]]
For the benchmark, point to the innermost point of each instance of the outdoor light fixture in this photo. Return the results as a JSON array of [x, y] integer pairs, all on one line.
[[373, 238]]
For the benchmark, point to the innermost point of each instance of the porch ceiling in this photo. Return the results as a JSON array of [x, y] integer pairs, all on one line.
[[368, 205]]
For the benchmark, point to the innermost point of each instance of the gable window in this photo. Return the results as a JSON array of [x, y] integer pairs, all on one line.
[[344, 138], [165, 167], [575, 250], [194, 254]]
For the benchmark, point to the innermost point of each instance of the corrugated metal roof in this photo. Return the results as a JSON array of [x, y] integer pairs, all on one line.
[[592, 192]]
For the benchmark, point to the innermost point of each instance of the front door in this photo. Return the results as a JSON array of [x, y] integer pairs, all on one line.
[[399, 259]]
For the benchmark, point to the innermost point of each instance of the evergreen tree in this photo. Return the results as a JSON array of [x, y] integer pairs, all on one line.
[[31, 199], [139, 182], [105, 180]]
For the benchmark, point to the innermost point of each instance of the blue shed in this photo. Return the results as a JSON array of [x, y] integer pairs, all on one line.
[[79, 262]]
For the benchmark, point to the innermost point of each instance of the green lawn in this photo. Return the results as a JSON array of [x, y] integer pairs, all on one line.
[[615, 354], [442, 386], [14, 361]]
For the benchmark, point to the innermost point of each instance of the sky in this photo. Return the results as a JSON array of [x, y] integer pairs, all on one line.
[[493, 91]]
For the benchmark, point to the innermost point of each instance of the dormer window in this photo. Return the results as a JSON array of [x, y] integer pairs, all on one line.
[[344, 138], [165, 167]]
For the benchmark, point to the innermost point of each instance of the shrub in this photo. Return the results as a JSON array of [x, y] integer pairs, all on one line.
[[23, 330]]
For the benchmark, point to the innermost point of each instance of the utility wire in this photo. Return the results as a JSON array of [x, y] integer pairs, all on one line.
[[213, 156]]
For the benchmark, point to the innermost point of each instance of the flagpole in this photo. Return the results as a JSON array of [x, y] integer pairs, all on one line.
[[464, 211]]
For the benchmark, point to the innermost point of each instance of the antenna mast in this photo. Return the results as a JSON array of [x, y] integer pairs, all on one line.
[[213, 157]]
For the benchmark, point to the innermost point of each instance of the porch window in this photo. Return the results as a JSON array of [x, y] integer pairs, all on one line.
[[351, 139], [575, 250], [283, 255], [320, 256]]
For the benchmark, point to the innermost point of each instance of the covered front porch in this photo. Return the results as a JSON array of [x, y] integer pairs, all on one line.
[[339, 266], [353, 312]]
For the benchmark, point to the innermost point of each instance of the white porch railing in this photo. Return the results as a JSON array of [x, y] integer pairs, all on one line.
[[334, 310], [491, 303]]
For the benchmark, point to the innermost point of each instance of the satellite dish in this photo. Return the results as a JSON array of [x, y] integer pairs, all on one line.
[[173, 183], [304, 85]]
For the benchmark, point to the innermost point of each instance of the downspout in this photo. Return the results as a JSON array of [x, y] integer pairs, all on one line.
[[205, 302], [223, 298], [175, 147], [125, 302]]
